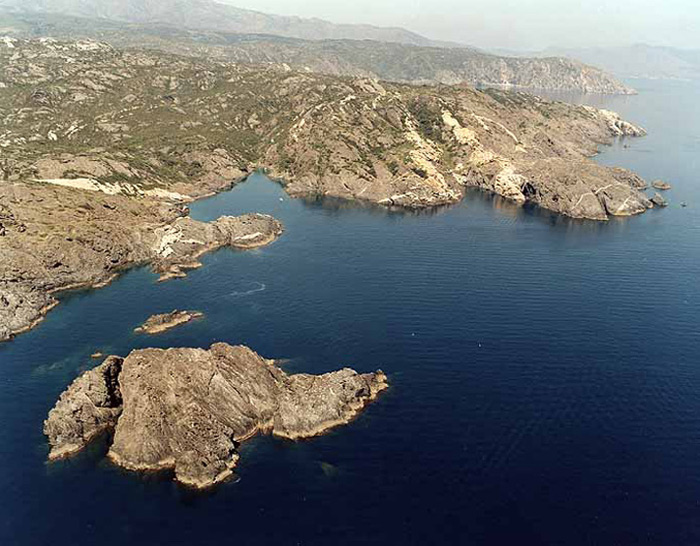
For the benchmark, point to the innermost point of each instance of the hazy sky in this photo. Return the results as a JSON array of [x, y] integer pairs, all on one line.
[[520, 24]]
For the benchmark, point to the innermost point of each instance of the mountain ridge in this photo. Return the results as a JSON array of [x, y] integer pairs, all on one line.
[[389, 61], [212, 15]]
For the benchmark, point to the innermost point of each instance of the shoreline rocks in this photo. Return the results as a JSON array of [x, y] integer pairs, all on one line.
[[90, 407], [189, 409], [157, 324], [659, 200]]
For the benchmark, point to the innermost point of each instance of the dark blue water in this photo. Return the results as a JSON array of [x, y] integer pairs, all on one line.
[[545, 373]]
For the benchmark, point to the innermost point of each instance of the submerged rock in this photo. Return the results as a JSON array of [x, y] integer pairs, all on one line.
[[157, 324], [188, 409]]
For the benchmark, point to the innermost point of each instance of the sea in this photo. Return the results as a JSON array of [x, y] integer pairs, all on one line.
[[544, 372]]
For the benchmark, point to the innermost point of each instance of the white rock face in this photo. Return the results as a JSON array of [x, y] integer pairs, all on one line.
[[90, 184], [616, 124]]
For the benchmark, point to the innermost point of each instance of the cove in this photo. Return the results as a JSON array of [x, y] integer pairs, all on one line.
[[544, 374]]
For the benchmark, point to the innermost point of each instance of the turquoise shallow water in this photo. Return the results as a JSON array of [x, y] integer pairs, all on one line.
[[545, 373]]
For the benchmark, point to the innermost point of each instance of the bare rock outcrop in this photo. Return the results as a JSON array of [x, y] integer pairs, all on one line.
[[157, 324], [188, 409], [349, 138], [97, 164]]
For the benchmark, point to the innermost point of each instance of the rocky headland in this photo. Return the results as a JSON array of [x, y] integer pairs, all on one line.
[[187, 410], [158, 324], [101, 149]]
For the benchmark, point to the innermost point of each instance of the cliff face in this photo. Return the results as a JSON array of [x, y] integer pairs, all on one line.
[[189, 409], [101, 149]]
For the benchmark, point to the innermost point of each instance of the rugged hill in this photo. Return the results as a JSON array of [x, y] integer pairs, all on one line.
[[100, 149], [384, 57], [211, 15]]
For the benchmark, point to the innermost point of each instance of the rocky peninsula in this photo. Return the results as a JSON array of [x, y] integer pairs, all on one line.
[[187, 410], [158, 324], [101, 149], [59, 238]]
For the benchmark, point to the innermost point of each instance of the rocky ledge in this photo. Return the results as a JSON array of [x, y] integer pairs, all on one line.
[[188, 410], [157, 324]]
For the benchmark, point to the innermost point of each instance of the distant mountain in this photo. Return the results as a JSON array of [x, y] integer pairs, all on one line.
[[381, 60], [211, 15], [638, 61]]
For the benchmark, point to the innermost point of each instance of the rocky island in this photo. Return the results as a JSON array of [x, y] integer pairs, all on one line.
[[661, 185], [157, 324], [187, 410], [102, 148]]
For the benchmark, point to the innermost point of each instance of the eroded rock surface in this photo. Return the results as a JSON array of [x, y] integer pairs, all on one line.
[[90, 406], [188, 409], [167, 321], [178, 128], [179, 245]]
